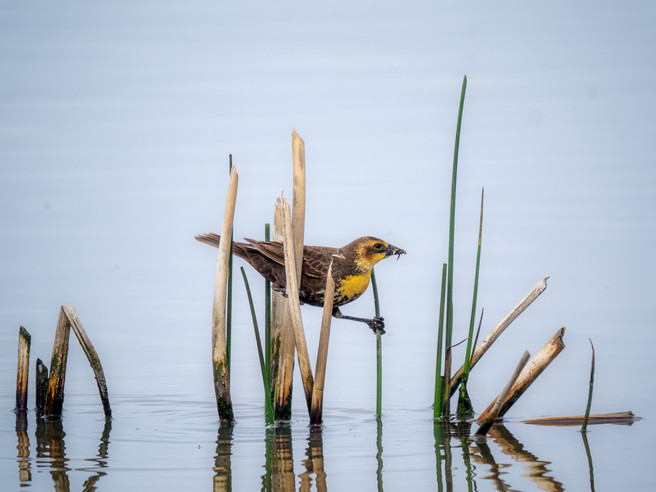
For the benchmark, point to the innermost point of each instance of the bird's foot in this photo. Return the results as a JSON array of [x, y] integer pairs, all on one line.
[[377, 325]]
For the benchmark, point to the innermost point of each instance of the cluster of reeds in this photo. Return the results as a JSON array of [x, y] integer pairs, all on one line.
[[50, 387], [526, 372], [284, 334]]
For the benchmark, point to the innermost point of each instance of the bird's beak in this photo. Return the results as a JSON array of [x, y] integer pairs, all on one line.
[[393, 250]]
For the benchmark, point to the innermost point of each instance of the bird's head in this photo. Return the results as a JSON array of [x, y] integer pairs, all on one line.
[[367, 251]]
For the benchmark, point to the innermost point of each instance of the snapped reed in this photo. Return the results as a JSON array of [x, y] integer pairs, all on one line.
[[22, 369], [529, 374], [316, 408], [220, 365], [294, 304]]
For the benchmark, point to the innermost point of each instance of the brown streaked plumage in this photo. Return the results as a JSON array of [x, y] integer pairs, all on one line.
[[352, 265]]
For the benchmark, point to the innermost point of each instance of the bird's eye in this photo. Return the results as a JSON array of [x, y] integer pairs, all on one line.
[[378, 246]]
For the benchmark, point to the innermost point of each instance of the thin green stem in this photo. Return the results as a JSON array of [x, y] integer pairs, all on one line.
[[452, 220], [268, 408], [267, 310], [465, 408], [584, 427], [379, 351]]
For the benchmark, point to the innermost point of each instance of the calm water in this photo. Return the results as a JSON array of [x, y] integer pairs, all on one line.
[[175, 443], [115, 126]]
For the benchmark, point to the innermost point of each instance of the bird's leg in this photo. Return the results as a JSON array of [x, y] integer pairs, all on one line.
[[376, 323]]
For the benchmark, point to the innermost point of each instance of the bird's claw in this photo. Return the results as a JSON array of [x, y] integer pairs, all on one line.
[[377, 325]]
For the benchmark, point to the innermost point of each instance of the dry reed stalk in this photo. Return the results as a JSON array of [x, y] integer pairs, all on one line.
[[55, 397], [92, 356], [282, 341], [282, 332], [294, 305], [298, 200], [22, 369], [219, 343], [498, 330], [626, 418], [496, 407], [316, 410], [529, 374]]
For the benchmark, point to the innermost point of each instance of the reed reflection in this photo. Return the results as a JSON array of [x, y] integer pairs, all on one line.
[[279, 460], [51, 452], [50, 444], [23, 448], [379, 452], [222, 468], [101, 459], [537, 469], [477, 451], [313, 462]]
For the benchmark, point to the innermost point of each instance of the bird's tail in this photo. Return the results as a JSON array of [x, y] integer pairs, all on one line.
[[211, 239]]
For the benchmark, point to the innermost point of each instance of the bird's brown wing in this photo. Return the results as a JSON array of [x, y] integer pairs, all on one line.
[[315, 258]]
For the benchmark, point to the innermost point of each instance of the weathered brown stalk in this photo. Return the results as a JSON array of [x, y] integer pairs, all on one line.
[[55, 397], [626, 418], [22, 369], [498, 330], [92, 356], [282, 341], [496, 407], [294, 305], [316, 410], [41, 387], [219, 343], [529, 374]]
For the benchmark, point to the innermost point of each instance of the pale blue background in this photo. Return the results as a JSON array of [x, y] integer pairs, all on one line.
[[116, 121]]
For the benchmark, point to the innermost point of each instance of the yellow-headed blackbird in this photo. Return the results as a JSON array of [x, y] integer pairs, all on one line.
[[352, 265]]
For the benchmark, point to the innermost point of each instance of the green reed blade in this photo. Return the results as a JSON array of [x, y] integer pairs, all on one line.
[[267, 310], [379, 351], [268, 408], [465, 408], [584, 427], [439, 380], [452, 220]]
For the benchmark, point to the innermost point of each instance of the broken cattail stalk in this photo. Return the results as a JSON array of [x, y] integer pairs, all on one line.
[[92, 356], [529, 374], [316, 410], [219, 342], [494, 413], [282, 341], [55, 398], [41, 387], [498, 330], [22, 369], [294, 305], [625, 418]]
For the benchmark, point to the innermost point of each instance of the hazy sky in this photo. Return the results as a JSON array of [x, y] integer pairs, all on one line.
[[116, 121]]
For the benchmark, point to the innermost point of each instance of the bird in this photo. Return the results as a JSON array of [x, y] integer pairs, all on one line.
[[351, 271]]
